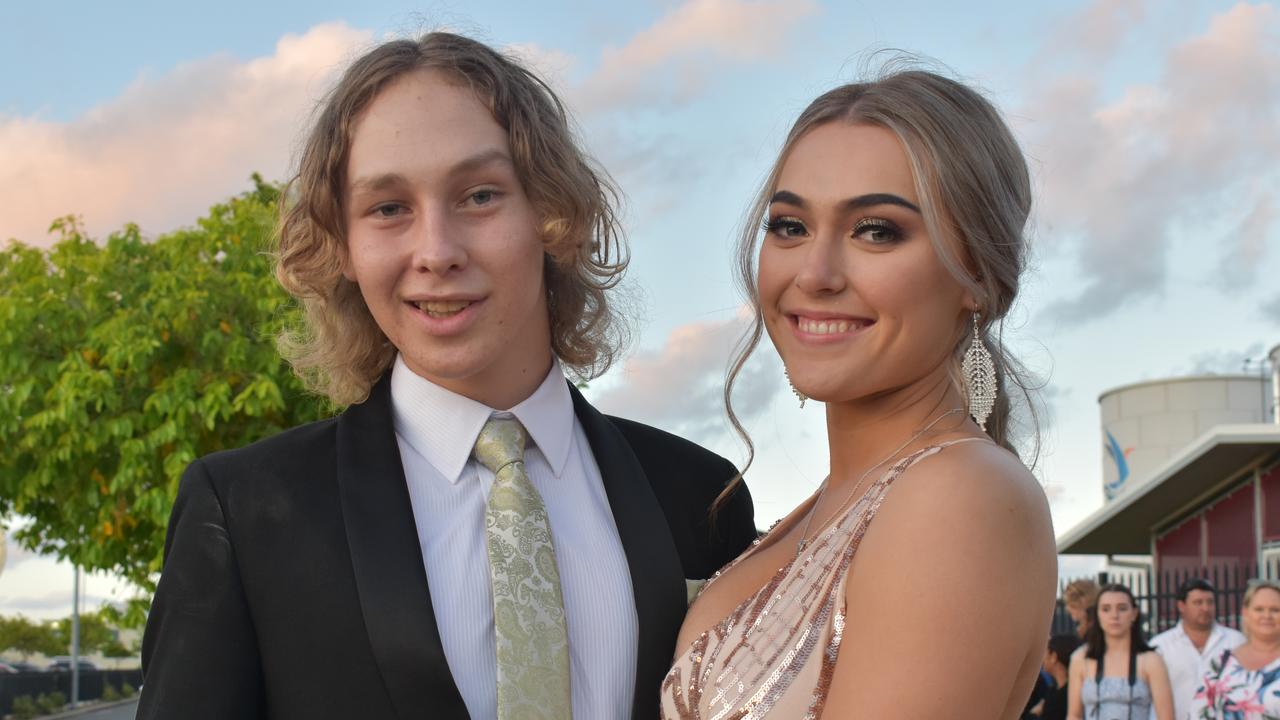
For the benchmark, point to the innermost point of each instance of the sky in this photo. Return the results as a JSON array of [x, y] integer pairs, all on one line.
[[1152, 131]]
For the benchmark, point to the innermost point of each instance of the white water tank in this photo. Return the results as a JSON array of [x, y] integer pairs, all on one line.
[[1146, 423], [1274, 357]]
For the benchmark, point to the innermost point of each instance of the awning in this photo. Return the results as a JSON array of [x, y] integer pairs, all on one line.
[[1124, 525]]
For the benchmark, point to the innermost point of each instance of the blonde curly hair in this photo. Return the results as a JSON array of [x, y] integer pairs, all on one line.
[[338, 350]]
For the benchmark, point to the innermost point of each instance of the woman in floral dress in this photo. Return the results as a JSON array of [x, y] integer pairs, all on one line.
[[1244, 683]]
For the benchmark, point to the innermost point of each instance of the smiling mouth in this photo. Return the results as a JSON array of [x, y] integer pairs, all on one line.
[[441, 308], [828, 327]]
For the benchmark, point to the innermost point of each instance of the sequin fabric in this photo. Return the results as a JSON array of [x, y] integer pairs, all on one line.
[[774, 656]]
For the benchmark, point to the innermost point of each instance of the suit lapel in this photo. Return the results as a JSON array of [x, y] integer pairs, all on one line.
[[387, 560], [657, 578]]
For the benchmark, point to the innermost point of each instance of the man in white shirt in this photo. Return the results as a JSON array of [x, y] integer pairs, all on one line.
[[469, 537], [1196, 639]]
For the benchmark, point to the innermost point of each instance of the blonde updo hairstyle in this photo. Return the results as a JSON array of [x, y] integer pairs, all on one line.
[[338, 350], [975, 193]]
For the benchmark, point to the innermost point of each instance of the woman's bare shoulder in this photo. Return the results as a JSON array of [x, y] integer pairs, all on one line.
[[970, 518], [961, 544], [976, 481]]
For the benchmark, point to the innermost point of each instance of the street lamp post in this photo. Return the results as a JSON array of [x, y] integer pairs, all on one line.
[[75, 639]]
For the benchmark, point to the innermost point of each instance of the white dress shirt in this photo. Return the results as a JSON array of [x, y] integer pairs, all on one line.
[[436, 430], [1186, 664]]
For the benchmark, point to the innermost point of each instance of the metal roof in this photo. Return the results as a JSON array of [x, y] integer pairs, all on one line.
[[1125, 525]]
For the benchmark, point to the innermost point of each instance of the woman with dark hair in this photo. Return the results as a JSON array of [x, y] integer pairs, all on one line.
[[1119, 677]]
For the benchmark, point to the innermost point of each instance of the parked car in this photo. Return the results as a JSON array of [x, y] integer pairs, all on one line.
[[6, 668], [62, 663], [18, 666]]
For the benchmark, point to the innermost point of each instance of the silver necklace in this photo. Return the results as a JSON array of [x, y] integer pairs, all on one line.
[[804, 535]]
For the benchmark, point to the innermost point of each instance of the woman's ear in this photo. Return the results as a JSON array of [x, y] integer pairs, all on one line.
[[968, 300]]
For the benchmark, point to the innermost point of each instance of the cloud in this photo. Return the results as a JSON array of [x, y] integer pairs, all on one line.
[[552, 65], [1095, 32], [1122, 177], [1227, 362], [679, 387], [669, 62], [1246, 247], [13, 555], [1271, 310], [169, 146], [663, 66]]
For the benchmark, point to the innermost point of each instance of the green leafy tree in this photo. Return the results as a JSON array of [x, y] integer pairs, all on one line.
[[123, 361], [21, 635], [117, 650], [96, 634]]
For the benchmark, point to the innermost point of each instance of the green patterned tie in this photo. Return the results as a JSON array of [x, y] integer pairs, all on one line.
[[528, 608]]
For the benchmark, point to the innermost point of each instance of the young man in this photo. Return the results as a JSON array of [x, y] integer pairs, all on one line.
[[1195, 639], [470, 537], [1057, 662]]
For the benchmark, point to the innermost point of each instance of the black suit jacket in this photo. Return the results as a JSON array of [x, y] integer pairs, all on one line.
[[293, 582]]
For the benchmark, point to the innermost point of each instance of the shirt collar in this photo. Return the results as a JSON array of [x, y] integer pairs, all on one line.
[[1215, 632], [442, 426]]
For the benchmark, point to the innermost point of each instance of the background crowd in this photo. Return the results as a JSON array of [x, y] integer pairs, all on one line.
[[1200, 669]]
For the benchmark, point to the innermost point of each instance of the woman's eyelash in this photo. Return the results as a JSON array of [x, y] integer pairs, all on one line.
[[785, 226], [778, 224], [879, 225]]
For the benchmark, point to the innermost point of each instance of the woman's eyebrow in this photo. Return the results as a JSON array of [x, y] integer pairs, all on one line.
[[854, 203]]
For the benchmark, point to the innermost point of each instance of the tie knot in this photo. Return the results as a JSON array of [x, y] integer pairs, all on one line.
[[501, 442]]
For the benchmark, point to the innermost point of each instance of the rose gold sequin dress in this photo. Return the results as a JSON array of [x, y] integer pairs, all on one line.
[[775, 654]]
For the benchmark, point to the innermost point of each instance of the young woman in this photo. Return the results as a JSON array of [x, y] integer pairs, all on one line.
[[1119, 677], [1244, 683], [892, 245]]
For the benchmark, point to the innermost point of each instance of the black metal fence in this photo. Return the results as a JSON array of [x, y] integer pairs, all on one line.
[[1156, 594], [33, 684]]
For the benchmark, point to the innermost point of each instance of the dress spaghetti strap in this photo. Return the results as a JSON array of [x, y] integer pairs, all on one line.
[[775, 653]]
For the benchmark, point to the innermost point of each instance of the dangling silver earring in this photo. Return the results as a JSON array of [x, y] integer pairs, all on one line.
[[979, 378], [799, 395]]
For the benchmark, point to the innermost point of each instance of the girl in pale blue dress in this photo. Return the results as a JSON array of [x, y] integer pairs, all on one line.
[[1115, 639], [1116, 698]]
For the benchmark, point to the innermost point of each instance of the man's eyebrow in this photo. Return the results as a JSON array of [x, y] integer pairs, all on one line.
[[492, 156], [376, 183], [854, 203]]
